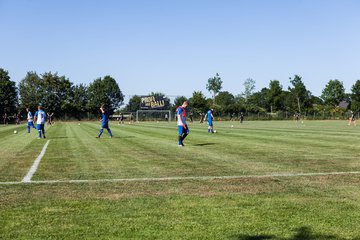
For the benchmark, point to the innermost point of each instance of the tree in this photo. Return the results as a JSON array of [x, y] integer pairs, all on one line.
[[198, 102], [355, 96], [31, 90], [56, 93], [80, 100], [299, 98], [104, 91], [249, 86], [178, 101], [8, 94], [333, 93], [214, 85], [275, 96], [226, 102], [257, 101], [134, 104]]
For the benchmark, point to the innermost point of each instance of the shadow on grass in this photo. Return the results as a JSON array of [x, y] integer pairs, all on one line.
[[58, 137], [123, 137], [203, 144], [303, 233]]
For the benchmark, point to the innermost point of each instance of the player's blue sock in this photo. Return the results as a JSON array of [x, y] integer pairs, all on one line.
[[101, 131], [109, 131], [28, 128], [39, 131]]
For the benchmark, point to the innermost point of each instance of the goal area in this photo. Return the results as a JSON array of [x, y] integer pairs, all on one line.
[[153, 115]]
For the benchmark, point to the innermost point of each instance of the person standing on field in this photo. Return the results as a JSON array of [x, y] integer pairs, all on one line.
[[39, 118], [30, 120], [6, 119], [352, 119], [182, 126], [241, 118], [50, 118], [210, 119], [104, 122]]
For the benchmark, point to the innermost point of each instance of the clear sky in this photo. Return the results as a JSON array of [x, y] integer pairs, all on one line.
[[174, 46]]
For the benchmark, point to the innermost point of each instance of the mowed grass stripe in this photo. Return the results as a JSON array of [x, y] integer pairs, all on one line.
[[150, 150], [18, 151], [288, 149]]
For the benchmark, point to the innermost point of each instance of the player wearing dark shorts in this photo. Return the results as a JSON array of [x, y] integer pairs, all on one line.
[[352, 119], [182, 126]]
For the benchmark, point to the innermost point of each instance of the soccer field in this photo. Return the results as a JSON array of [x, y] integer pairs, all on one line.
[[260, 180]]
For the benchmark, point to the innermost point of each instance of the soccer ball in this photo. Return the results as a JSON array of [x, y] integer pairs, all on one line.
[[215, 131], [232, 126], [15, 132], [79, 124]]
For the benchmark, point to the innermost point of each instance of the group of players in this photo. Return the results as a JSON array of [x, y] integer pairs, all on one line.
[[183, 129], [39, 117]]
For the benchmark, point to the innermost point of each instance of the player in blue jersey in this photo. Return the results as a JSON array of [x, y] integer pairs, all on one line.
[[210, 118], [104, 122], [182, 126], [30, 120], [39, 118]]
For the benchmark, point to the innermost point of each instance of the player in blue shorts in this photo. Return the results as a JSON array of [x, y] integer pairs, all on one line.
[[30, 120], [104, 122], [210, 118], [182, 126], [39, 118]]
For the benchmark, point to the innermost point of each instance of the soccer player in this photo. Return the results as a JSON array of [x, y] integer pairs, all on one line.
[[121, 119], [191, 116], [201, 118], [241, 118], [6, 119], [50, 118], [352, 119], [182, 126], [30, 120], [17, 118], [104, 122], [39, 118], [210, 118]]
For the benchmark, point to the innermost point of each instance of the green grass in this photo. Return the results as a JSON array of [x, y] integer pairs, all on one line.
[[307, 207]]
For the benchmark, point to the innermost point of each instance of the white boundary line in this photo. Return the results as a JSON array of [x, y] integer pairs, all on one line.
[[29, 175], [203, 178]]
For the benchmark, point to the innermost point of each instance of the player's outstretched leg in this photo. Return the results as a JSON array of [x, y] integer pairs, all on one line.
[[110, 133], [101, 131]]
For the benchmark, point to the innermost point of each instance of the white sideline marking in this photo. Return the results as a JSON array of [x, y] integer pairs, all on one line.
[[29, 175], [184, 178]]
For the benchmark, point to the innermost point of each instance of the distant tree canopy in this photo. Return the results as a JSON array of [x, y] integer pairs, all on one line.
[[355, 96], [104, 91], [8, 94], [58, 94], [214, 85], [333, 93]]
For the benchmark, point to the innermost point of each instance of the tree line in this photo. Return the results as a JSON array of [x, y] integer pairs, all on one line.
[[271, 100], [59, 95]]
